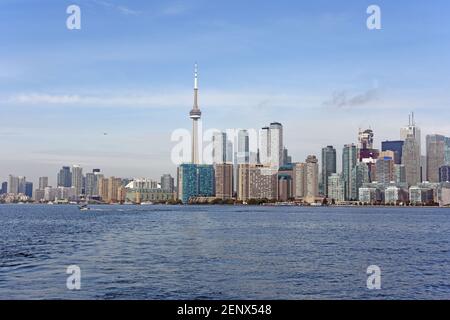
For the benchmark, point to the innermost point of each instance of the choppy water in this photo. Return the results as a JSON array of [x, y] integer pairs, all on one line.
[[218, 252]]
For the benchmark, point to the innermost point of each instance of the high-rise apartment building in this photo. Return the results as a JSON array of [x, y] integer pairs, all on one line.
[[349, 160], [336, 188], [195, 181], [328, 166], [167, 183], [77, 179], [224, 180], [64, 178], [385, 173]]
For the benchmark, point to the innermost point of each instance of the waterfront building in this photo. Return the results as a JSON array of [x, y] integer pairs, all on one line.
[[113, 189], [419, 195], [367, 195], [336, 188], [395, 195], [224, 180], [39, 195], [195, 181], [103, 187], [286, 182], [77, 179], [257, 182], [328, 167], [299, 180]]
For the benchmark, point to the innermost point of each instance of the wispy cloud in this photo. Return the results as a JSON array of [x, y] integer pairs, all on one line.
[[120, 8], [175, 9], [344, 100], [211, 99]]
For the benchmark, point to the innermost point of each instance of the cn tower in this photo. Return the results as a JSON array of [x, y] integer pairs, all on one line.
[[195, 115]]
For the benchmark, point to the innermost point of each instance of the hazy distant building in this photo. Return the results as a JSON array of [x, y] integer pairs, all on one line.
[[29, 189], [219, 147], [64, 178], [4, 188], [328, 166], [113, 188], [77, 179], [91, 184], [13, 184], [349, 160], [435, 145], [103, 187], [224, 180], [167, 183], [312, 178], [43, 183]]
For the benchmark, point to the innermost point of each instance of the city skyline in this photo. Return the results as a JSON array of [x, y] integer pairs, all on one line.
[[120, 117]]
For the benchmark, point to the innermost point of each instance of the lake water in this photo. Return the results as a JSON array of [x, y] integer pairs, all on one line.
[[223, 252]]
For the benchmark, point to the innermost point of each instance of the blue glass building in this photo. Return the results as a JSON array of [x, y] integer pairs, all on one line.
[[195, 180], [396, 146]]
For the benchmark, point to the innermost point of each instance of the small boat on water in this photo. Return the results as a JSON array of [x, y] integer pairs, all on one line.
[[83, 207]]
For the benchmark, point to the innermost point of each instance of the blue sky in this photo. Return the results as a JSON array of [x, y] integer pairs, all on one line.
[[312, 65]]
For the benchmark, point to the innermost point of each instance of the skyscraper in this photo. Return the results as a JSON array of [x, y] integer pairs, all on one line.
[[328, 166], [64, 178], [411, 160], [396, 147], [195, 115], [435, 156], [263, 146], [349, 159], [77, 179], [43, 183], [29, 189], [359, 176], [4, 188], [412, 130], [13, 184], [365, 139], [243, 147], [312, 178], [219, 147], [91, 183], [276, 144]]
